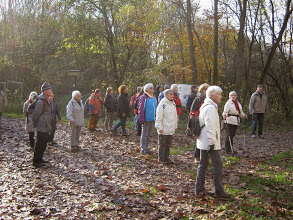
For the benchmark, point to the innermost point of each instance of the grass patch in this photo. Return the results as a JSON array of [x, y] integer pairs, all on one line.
[[175, 152]]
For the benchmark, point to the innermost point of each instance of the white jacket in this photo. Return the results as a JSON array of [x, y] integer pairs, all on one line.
[[210, 133], [166, 117], [75, 112], [230, 108]]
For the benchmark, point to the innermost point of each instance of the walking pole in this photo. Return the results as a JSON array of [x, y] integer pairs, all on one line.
[[229, 136]]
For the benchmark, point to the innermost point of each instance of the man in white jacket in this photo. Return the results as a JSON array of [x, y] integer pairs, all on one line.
[[166, 125], [209, 143]]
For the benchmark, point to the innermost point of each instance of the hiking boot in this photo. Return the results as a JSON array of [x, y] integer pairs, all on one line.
[[253, 136], [125, 134], [223, 195], [44, 161], [260, 136], [38, 165]]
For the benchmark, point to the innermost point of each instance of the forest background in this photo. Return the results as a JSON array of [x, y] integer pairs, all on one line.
[[90, 44]]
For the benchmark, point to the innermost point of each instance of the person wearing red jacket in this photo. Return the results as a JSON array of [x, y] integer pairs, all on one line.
[[95, 109], [176, 99]]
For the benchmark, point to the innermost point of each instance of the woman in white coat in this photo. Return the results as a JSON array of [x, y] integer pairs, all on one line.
[[209, 143], [75, 114], [232, 113], [166, 125]]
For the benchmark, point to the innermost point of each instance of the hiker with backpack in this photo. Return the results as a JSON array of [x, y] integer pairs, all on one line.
[[110, 103], [75, 115], [209, 143], [42, 120], [194, 112], [176, 99], [258, 107], [135, 110], [147, 116], [166, 125], [55, 114], [232, 113], [28, 109], [123, 110], [95, 103], [3, 104], [191, 97]]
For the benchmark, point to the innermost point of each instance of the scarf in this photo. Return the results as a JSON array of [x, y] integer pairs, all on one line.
[[236, 105]]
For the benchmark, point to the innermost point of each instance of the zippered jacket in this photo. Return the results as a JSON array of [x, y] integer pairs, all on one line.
[[75, 112], [147, 108], [258, 103]]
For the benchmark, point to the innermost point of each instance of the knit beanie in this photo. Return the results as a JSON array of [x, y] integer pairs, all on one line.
[[45, 86]]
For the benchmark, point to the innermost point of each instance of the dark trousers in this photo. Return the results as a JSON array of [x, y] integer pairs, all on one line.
[[231, 132], [139, 128], [257, 117], [203, 165], [52, 135], [165, 142], [32, 139], [197, 153], [42, 140]]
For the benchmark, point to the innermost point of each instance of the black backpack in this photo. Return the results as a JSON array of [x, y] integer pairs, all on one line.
[[194, 125], [136, 104], [87, 105]]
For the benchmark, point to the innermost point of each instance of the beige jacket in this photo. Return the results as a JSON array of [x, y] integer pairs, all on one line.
[[258, 104], [230, 109]]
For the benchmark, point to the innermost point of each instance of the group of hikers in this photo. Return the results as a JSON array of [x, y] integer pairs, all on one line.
[[153, 107]]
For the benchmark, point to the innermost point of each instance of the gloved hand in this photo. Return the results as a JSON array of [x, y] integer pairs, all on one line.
[[211, 148]]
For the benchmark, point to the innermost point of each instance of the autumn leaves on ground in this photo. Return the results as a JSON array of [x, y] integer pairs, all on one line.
[[109, 178]]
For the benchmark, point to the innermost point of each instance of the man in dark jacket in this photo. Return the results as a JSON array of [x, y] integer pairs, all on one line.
[[42, 120], [191, 97]]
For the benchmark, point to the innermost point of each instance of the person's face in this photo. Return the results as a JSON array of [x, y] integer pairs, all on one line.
[[151, 90], [160, 89], [77, 97], [170, 96], [195, 89], [217, 98], [111, 92], [233, 96], [48, 93], [204, 91], [175, 89], [260, 89], [98, 94]]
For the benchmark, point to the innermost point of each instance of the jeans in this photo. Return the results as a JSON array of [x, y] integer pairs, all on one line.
[[136, 122], [260, 118], [147, 128], [122, 124], [165, 142], [42, 140], [203, 165], [231, 132]]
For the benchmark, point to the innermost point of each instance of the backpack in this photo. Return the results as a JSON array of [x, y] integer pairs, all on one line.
[[194, 125], [136, 104], [87, 105]]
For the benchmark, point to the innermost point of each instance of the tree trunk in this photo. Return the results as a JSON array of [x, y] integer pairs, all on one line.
[[191, 44], [216, 43]]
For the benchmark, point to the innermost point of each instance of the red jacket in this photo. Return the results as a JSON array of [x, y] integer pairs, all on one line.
[[178, 103]]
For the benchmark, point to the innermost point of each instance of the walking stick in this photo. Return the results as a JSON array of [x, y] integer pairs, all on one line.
[[226, 126]]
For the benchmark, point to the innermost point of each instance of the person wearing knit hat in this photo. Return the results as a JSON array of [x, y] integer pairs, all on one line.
[[42, 120]]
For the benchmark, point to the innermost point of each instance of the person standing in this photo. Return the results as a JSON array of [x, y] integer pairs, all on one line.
[[95, 101], [132, 103], [147, 115], [123, 110], [177, 100], [166, 125], [209, 143], [161, 96], [191, 97], [258, 107], [3, 104], [55, 113], [28, 109], [42, 120], [110, 104], [232, 113], [158, 91], [75, 114]]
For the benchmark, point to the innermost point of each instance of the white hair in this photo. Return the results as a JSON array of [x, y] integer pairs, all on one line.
[[147, 87], [213, 90], [231, 93], [75, 93], [174, 86], [33, 94], [167, 91]]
